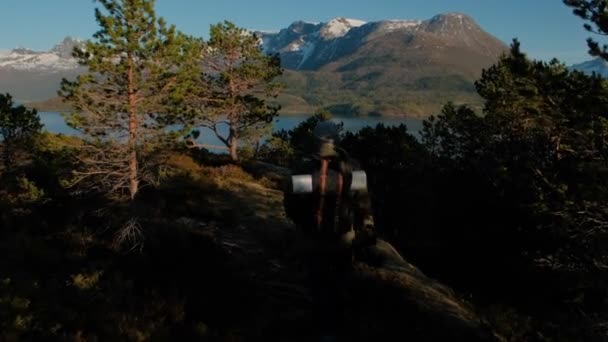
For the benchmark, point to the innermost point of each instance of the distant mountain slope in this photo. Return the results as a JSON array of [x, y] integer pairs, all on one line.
[[35, 75], [390, 67], [444, 39], [399, 67], [598, 66]]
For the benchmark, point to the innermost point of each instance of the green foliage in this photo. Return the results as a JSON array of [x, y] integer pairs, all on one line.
[[20, 194], [86, 281], [395, 163], [531, 169], [352, 94], [14, 311], [510, 198], [53, 162], [595, 13], [28, 192], [507, 204], [532, 126], [453, 132], [277, 149], [18, 128], [132, 67], [235, 84], [288, 147], [133, 54]]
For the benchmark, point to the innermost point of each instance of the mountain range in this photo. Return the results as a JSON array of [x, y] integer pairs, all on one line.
[[597, 65], [35, 75], [389, 67]]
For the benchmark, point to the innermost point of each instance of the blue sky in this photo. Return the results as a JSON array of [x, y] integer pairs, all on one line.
[[546, 28]]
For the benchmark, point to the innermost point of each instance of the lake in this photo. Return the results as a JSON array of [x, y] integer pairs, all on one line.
[[54, 122]]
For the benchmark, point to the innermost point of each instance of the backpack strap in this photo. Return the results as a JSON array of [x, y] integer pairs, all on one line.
[[343, 171], [338, 200], [322, 188]]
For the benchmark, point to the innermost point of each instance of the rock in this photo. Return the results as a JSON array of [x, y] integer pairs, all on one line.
[[390, 295]]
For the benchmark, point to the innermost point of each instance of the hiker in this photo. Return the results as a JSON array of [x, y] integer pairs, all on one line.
[[327, 199]]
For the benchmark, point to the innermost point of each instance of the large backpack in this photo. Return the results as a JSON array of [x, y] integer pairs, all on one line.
[[321, 201]]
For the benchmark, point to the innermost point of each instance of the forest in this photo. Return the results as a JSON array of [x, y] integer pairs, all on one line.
[[134, 231]]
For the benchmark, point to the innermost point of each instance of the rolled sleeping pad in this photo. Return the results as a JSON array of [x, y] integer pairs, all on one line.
[[304, 184]]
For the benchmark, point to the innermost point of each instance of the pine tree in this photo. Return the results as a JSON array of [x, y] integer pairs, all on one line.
[[595, 12], [18, 126], [538, 153], [132, 66], [235, 84]]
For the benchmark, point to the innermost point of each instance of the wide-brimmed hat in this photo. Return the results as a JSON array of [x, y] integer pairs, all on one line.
[[326, 134]]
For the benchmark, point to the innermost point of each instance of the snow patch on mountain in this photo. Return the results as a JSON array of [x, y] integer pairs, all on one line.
[[296, 45], [307, 49], [388, 26], [265, 31], [58, 59], [38, 61], [355, 22], [309, 46], [598, 66], [339, 27]]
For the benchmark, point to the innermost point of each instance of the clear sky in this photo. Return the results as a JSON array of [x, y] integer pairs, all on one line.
[[546, 28]]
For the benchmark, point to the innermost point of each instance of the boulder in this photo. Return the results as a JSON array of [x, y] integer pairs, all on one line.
[[391, 297]]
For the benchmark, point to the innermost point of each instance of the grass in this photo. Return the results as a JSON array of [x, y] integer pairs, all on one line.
[[217, 262], [63, 279]]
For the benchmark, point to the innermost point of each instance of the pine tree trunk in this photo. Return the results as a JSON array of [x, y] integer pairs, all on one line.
[[233, 142], [233, 136], [133, 182]]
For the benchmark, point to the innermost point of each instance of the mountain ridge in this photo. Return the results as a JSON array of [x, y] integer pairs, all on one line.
[[596, 65], [31, 75], [397, 67], [298, 39], [402, 67], [56, 59]]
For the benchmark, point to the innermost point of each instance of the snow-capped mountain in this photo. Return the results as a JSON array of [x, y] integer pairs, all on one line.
[[310, 46], [58, 59], [35, 75], [395, 67], [598, 66], [338, 27]]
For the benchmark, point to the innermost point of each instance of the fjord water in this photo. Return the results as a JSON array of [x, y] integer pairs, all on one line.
[[55, 123]]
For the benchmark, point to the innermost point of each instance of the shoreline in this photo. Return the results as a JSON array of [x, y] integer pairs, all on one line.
[[55, 105]]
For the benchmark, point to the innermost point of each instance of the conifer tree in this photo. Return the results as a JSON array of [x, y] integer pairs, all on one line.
[[132, 62], [235, 84], [595, 13], [17, 126]]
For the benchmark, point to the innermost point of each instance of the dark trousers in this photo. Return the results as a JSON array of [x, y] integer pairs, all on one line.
[[328, 264]]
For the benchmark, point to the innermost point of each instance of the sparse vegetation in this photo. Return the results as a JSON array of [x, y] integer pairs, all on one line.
[[305, 91], [505, 204], [18, 128]]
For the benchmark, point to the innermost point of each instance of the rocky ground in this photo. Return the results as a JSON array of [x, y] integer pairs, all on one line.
[[387, 296], [214, 259]]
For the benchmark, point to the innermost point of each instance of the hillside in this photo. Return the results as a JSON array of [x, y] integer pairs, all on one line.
[[393, 67], [597, 65], [217, 260], [54, 104]]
